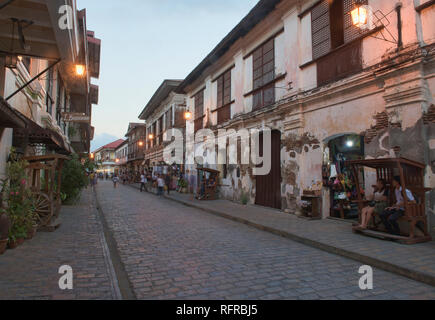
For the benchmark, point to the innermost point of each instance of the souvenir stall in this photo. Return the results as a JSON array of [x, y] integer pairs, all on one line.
[[339, 177]]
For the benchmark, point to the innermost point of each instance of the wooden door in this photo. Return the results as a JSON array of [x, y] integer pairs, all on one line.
[[268, 191]]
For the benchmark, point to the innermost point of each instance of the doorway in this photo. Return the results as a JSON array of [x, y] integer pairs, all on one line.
[[343, 192], [268, 192]]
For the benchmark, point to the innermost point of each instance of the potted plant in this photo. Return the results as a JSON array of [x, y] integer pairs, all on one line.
[[244, 199], [18, 202], [4, 231]]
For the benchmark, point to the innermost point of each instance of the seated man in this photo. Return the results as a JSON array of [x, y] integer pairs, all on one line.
[[390, 216]]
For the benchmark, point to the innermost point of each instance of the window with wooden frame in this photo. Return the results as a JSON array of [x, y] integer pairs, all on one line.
[[264, 75], [336, 42], [160, 142], [168, 118], [224, 97], [199, 110]]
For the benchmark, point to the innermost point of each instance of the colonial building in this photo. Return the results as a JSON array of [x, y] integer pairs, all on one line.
[[121, 158], [136, 146], [45, 80], [334, 80], [163, 112], [105, 157]]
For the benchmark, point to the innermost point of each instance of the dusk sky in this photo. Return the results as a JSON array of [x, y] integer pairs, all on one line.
[[145, 42]]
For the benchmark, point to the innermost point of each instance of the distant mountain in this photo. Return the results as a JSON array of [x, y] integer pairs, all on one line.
[[101, 140]]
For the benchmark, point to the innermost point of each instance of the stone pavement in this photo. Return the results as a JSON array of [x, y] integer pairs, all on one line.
[[31, 270], [414, 261], [171, 251]]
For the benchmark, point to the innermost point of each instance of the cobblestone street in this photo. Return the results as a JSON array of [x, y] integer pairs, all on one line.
[[170, 251]]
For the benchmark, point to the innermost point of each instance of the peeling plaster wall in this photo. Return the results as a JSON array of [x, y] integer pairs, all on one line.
[[386, 105]]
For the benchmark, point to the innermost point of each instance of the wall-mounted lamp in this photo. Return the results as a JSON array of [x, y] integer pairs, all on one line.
[[80, 70], [140, 143], [359, 14], [360, 19], [187, 115], [151, 137]]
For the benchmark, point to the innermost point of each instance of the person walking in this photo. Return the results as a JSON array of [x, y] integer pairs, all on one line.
[[92, 179], [168, 180], [143, 182], [160, 185], [115, 181]]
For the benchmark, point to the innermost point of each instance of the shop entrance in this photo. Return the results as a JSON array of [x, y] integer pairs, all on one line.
[[268, 191], [339, 178]]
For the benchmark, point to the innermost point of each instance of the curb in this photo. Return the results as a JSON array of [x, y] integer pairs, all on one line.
[[386, 266], [123, 282]]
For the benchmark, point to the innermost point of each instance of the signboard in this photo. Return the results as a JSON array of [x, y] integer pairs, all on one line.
[[75, 117]]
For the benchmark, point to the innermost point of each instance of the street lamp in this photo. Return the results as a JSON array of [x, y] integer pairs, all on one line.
[[80, 70], [359, 14], [150, 136], [92, 156], [140, 144]]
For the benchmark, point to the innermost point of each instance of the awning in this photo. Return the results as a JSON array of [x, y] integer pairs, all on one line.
[[9, 117]]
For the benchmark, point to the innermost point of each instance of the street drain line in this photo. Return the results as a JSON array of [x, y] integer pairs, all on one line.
[[121, 285]]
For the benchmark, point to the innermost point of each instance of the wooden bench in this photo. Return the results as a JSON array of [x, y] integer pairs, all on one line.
[[411, 175]]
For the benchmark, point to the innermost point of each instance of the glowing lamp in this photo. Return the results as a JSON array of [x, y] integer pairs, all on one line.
[[151, 137], [359, 16], [92, 156], [349, 144], [188, 115], [140, 144], [80, 70]]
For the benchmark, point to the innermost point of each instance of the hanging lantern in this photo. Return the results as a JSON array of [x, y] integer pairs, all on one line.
[[359, 15]]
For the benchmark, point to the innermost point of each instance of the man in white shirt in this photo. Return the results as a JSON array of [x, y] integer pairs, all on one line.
[[390, 216], [143, 181], [160, 185]]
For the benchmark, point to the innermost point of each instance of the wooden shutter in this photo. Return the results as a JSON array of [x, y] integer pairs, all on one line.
[[320, 28], [169, 119], [199, 104], [227, 87], [220, 91], [199, 110], [224, 97]]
